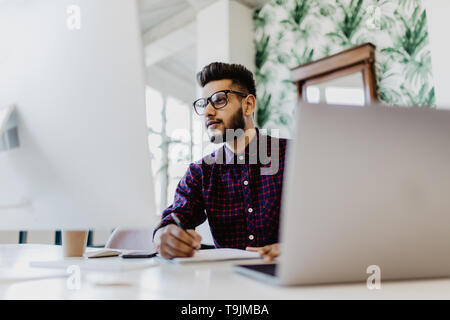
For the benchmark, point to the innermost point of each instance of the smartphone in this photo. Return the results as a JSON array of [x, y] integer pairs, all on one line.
[[138, 254]]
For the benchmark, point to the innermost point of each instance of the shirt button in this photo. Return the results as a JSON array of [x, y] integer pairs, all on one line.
[[250, 210], [251, 237], [245, 182]]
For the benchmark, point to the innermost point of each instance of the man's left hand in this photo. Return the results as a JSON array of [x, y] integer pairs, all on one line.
[[269, 252]]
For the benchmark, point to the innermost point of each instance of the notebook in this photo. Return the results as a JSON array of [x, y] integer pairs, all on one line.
[[103, 253], [222, 254]]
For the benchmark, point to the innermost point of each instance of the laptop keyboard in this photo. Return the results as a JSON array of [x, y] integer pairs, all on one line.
[[268, 268]]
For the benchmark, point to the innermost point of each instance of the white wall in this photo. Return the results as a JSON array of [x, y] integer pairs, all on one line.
[[439, 25], [225, 34]]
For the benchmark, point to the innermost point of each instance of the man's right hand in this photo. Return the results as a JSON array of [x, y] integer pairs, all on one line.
[[171, 241]]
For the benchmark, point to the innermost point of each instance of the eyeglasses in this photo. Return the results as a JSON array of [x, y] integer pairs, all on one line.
[[218, 100]]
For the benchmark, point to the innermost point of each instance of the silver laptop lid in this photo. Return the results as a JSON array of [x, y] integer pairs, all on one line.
[[366, 186]]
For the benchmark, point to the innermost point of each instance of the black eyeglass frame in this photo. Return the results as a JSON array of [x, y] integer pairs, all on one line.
[[244, 95]]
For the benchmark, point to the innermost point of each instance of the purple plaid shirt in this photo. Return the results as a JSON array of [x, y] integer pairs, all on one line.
[[239, 194]]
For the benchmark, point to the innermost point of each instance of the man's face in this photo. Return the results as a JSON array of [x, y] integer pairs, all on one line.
[[229, 117]]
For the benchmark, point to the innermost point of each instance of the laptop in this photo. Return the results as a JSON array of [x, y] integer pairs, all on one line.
[[365, 188]]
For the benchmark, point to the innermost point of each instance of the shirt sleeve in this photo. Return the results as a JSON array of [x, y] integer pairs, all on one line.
[[188, 201]]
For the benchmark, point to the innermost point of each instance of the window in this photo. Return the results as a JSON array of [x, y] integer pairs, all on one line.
[[175, 140]]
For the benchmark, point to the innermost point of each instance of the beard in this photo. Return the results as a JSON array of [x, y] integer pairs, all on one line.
[[236, 126]]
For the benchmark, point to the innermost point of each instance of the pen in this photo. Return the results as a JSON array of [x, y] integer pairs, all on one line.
[[178, 222]]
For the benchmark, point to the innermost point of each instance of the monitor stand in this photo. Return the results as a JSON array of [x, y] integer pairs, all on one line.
[[74, 243]]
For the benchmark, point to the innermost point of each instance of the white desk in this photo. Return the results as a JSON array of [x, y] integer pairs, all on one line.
[[166, 281]]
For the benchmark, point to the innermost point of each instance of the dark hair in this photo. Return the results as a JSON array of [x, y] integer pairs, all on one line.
[[240, 75]]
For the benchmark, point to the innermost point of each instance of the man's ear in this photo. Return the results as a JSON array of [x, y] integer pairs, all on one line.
[[250, 105]]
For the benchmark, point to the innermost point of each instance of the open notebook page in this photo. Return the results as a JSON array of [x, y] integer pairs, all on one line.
[[221, 254]]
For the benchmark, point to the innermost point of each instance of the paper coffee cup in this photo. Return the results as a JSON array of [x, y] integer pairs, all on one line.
[[74, 243]]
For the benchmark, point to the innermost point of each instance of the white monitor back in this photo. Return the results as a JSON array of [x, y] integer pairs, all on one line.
[[75, 71]]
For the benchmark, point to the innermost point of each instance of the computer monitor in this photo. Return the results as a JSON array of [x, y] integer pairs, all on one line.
[[74, 70]]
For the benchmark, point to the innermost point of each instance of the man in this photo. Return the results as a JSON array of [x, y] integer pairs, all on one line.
[[235, 187]]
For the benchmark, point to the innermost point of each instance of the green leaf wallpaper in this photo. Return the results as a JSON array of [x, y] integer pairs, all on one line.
[[292, 32]]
